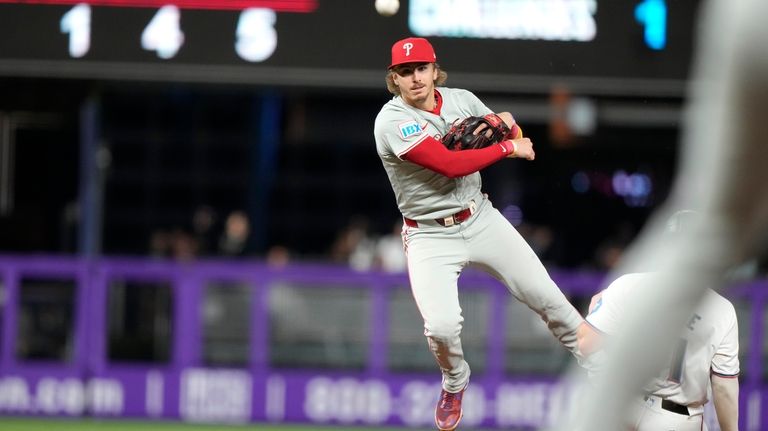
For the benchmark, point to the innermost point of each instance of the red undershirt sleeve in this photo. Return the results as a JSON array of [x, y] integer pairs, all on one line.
[[433, 155]]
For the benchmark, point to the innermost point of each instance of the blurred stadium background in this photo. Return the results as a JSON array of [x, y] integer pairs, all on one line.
[[195, 227]]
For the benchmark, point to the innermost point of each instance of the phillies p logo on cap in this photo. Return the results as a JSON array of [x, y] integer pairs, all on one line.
[[412, 50]]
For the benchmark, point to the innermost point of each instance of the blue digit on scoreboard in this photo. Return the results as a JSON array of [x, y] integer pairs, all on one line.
[[653, 15]]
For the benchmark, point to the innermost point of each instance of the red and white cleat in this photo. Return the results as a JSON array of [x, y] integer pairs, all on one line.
[[448, 412]]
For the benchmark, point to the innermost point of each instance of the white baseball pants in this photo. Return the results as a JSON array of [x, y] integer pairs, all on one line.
[[438, 254], [651, 417]]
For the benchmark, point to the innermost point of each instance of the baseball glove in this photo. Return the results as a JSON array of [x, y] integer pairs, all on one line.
[[473, 133]]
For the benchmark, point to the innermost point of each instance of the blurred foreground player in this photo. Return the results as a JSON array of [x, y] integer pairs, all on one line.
[[724, 177], [448, 222], [707, 352]]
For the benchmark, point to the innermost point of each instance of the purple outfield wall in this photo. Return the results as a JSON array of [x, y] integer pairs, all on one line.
[[184, 389]]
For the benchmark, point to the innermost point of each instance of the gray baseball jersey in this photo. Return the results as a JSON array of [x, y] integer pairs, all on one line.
[[709, 342], [421, 193]]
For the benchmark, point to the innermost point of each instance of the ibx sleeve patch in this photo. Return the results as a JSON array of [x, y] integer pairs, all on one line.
[[409, 128]]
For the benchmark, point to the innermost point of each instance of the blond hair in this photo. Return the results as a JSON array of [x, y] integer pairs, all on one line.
[[442, 76]]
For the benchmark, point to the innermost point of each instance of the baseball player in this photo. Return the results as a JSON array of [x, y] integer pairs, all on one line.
[[706, 353], [448, 222], [723, 176]]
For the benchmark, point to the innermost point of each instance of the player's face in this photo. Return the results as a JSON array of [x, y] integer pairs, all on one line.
[[416, 82]]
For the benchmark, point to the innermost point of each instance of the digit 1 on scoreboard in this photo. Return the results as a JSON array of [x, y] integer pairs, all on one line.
[[77, 23]]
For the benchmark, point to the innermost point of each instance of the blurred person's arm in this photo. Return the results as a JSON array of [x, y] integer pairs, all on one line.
[[725, 395]]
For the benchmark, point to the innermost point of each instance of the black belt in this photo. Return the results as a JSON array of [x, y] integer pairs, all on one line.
[[673, 407]]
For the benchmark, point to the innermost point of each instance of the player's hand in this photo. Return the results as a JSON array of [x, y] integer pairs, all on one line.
[[508, 118], [482, 128], [523, 149]]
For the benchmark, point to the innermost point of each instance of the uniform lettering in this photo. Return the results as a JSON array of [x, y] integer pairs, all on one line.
[[407, 47], [409, 129]]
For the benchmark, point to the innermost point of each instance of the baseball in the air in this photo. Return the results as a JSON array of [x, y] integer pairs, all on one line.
[[387, 7]]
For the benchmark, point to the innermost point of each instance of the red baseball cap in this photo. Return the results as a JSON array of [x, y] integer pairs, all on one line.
[[412, 50]]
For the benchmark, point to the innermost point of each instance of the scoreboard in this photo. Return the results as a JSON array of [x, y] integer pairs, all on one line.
[[499, 44]]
